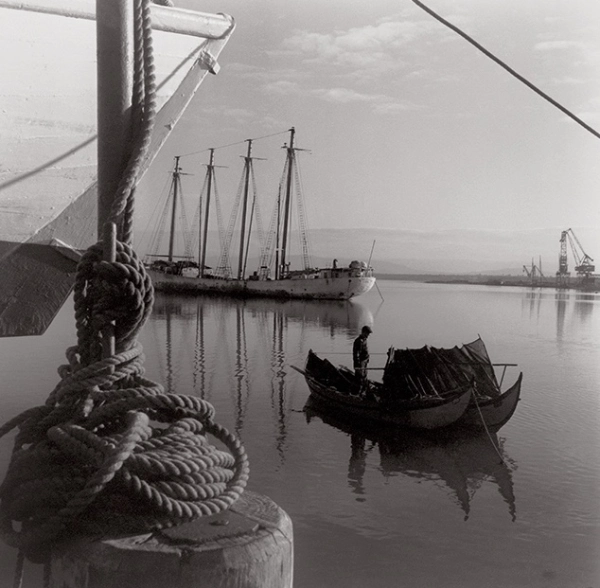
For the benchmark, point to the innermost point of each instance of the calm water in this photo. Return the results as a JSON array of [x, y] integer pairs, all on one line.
[[373, 512]]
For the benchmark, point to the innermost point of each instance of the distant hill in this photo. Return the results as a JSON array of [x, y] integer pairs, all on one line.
[[404, 251], [453, 251]]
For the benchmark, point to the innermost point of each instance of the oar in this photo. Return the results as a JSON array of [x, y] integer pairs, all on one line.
[[343, 353]]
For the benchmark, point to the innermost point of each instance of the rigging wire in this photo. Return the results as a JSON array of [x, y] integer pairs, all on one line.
[[159, 218], [233, 144], [186, 230], [508, 69], [154, 219], [302, 217]]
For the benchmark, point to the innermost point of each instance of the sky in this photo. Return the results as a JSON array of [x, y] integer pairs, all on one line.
[[406, 125]]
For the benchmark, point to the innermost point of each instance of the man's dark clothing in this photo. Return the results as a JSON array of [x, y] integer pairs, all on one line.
[[360, 356]]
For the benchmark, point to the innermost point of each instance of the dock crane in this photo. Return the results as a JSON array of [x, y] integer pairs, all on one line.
[[534, 273], [584, 266]]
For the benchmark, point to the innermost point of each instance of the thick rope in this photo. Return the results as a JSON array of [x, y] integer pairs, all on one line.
[[144, 104], [109, 451], [487, 431], [91, 452]]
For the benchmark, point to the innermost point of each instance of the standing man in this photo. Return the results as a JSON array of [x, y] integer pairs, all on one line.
[[360, 356]]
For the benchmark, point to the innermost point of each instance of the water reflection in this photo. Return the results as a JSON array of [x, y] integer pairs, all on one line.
[[569, 304], [199, 370], [584, 306], [561, 309], [330, 315], [277, 388], [463, 463], [533, 298], [239, 348]]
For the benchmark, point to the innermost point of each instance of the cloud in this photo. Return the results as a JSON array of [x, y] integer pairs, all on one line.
[[568, 81], [393, 107], [346, 95], [243, 69], [238, 113], [558, 45], [282, 87], [372, 44], [589, 116], [581, 57], [380, 103]]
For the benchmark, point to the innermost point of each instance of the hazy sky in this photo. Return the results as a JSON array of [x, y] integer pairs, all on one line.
[[407, 124]]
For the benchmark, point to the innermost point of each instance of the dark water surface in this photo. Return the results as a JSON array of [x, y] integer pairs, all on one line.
[[370, 511]]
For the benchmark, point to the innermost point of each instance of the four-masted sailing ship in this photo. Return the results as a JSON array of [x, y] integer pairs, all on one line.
[[274, 277]]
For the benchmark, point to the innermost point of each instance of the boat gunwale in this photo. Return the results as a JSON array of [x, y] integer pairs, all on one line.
[[164, 18], [512, 394], [411, 405], [248, 288]]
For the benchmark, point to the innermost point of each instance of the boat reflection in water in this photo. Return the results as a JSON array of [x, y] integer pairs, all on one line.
[[462, 462]]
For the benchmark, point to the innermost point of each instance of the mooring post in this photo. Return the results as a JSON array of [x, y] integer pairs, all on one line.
[[248, 545], [114, 43]]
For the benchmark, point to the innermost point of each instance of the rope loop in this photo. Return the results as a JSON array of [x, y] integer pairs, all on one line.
[[109, 451]]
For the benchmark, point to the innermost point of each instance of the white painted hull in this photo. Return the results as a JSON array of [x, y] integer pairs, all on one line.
[[342, 288], [48, 111]]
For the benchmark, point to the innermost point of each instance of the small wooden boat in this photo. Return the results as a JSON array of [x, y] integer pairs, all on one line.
[[337, 388], [425, 388]]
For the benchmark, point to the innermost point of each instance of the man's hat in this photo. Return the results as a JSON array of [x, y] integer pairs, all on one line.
[[367, 329]]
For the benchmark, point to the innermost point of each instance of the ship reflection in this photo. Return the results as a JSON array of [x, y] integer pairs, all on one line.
[[234, 351], [534, 299], [332, 316], [463, 463]]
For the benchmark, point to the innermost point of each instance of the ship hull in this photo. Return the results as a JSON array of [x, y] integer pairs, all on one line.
[[334, 288], [48, 114], [48, 125]]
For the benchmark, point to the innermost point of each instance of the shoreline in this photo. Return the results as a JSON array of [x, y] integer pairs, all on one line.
[[487, 280]]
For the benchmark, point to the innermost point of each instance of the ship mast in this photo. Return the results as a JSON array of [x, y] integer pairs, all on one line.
[[248, 163], [286, 213], [209, 174], [176, 180]]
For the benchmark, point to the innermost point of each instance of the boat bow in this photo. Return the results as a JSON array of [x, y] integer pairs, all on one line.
[[48, 124]]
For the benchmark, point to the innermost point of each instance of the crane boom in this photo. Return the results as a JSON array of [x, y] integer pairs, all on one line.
[[584, 265]]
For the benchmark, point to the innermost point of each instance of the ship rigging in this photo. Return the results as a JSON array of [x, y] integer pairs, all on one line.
[[274, 276], [275, 243]]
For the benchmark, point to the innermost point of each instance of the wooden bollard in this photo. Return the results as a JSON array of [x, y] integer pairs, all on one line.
[[249, 545]]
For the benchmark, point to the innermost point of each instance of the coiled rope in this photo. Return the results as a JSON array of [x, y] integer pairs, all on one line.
[[110, 451]]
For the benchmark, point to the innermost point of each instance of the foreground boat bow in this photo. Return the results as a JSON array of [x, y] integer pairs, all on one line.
[[48, 145]]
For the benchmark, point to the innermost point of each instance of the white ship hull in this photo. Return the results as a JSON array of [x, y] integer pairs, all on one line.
[[322, 288]]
